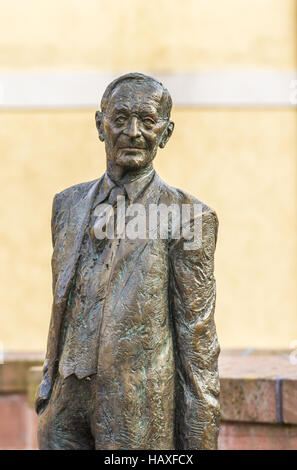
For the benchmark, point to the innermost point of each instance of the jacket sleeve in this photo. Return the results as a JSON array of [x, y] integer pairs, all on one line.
[[192, 298], [45, 387]]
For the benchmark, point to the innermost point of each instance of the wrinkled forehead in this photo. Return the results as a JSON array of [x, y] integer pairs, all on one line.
[[133, 94]]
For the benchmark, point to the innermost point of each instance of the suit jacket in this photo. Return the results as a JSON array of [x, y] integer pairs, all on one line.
[[157, 377]]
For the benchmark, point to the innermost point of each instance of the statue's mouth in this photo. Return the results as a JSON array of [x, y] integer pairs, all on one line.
[[131, 149]]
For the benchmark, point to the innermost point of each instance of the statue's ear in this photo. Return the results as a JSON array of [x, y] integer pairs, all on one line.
[[167, 134], [98, 120]]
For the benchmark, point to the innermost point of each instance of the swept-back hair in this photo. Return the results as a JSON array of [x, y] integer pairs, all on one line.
[[166, 100]]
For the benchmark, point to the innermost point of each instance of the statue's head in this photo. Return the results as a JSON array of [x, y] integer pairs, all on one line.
[[134, 120]]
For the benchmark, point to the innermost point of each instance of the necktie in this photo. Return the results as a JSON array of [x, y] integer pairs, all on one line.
[[105, 224]]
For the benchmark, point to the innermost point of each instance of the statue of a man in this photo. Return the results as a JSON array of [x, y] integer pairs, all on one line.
[[132, 350]]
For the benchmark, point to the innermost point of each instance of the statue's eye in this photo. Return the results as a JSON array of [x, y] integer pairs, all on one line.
[[148, 122], [120, 120]]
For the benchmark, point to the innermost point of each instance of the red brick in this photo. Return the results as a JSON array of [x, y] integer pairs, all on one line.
[[250, 400], [256, 436], [13, 373], [18, 423], [248, 386], [289, 392]]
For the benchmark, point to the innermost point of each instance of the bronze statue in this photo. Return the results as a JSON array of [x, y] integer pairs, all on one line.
[[132, 350]]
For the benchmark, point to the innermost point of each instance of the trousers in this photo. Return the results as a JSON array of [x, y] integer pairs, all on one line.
[[67, 422]]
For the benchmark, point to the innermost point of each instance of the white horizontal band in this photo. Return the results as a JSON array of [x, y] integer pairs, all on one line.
[[73, 89]]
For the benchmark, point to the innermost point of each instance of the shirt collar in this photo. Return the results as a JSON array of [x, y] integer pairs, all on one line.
[[133, 188]]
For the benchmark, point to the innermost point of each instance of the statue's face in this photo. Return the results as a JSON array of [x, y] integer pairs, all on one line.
[[134, 124]]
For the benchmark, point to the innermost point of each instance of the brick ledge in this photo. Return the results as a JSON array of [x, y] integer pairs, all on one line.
[[257, 386]]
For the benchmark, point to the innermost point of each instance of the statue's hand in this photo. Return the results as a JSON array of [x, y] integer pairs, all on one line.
[[43, 394], [40, 404]]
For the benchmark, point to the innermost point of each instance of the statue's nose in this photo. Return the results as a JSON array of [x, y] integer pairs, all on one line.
[[132, 128]]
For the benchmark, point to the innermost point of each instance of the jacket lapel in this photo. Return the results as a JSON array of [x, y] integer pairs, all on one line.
[[79, 214]]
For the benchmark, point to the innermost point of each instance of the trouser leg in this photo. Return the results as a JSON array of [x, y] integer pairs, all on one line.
[[65, 421]]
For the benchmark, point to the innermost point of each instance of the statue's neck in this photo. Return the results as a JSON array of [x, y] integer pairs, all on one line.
[[126, 175]]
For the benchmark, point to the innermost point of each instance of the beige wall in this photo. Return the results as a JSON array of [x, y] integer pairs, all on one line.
[[242, 162], [161, 35]]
